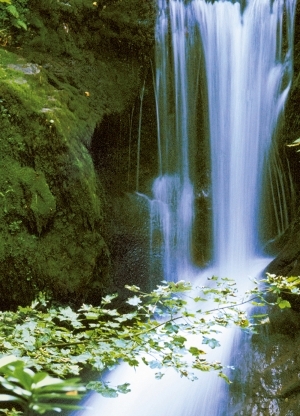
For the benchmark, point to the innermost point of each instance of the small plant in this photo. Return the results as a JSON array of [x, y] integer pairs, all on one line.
[[14, 16], [36, 392]]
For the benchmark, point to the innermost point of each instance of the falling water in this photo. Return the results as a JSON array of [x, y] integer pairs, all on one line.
[[172, 191], [247, 59], [244, 106], [248, 78]]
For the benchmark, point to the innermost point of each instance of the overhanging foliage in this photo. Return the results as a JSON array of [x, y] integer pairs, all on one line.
[[156, 330]]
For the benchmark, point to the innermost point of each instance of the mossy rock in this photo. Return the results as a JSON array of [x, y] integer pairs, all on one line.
[[56, 84], [51, 200]]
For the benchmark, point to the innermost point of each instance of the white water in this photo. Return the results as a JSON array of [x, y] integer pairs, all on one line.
[[248, 79], [246, 102]]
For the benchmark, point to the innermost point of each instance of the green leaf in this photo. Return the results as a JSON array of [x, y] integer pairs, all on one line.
[[195, 351], [13, 11], [9, 398], [9, 359], [180, 286], [155, 364], [56, 407], [24, 376], [16, 389], [213, 278], [132, 288], [284, 304], [179, 340], [202, 366], [170, 327], [11, 412], [222, 375], [39, 377], [56, 384], [198, 299], [123, 388], [20, 24], [211, 342], [91, 315], [108, 298], [260, 315], [134, 301], [257, 303], [102, 388], [295, 143], [243, 323], [188, 314]]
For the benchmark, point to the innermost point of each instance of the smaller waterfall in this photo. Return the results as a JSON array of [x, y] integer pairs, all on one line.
[[172, 214], [177, 85]]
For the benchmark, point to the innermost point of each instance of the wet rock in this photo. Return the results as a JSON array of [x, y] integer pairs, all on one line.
[[28, 69], [267, 379]]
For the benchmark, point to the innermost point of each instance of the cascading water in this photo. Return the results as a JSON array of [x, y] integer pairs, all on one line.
[[248, 65], [247, 103], [172, 190], [248, 79]]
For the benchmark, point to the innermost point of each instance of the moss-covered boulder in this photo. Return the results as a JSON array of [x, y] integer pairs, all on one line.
[[77, 62], [51, 200]]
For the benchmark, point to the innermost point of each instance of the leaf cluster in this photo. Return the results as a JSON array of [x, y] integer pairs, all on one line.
[[271, 290], [62, 341], [157, 329]]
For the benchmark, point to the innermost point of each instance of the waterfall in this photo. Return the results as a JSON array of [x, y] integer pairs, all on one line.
[[246, 104], [247, 58], [248, 76], [172, 190]]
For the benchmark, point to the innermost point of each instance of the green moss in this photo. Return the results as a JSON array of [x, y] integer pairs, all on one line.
[[42, 202], [25, 194], [125, 25], [54, 90], [51, 201]]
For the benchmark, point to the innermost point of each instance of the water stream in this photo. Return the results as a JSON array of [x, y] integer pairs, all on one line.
[[245, 52]]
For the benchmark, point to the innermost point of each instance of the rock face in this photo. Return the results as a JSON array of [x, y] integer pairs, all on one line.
[[51, 203], [287, 261], [56, 84], [266, 380]]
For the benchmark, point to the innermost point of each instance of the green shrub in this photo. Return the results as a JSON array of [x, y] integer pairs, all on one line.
[[36, 391]]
